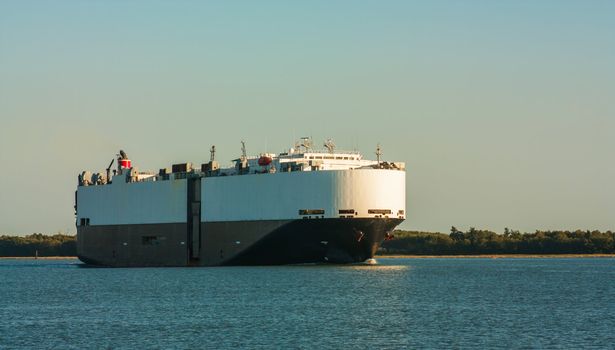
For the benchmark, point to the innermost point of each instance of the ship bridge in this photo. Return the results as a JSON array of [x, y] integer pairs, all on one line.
[[303, 157]]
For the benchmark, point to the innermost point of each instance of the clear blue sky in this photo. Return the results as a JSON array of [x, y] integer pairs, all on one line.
[[503, 111]]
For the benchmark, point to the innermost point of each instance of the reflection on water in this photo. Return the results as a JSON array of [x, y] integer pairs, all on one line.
[[371, 261], [410, 303], [378, 267], [369, 265]]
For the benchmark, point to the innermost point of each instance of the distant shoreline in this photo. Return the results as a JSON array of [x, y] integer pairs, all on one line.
[[496, 256], [392, 256], [39, 258]]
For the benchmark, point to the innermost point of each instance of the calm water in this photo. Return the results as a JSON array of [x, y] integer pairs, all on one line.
[[398, 303]]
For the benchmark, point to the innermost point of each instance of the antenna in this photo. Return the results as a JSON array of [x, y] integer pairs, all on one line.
[[329, 145], [243, 150], [212, 153], [378, 153]]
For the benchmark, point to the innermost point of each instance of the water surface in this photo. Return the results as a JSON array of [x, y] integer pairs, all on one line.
[[416, 303]]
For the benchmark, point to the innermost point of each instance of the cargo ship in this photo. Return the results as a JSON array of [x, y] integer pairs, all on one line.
[[304, 205]]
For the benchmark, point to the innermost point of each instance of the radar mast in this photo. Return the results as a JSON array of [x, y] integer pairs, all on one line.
[[212, 153], [329, 145]]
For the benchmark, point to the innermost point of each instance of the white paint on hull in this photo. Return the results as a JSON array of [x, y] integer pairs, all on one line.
[[280, 196], [122, 203], [277, 196]]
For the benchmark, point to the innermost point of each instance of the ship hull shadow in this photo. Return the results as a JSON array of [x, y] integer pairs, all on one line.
[[338, 241]]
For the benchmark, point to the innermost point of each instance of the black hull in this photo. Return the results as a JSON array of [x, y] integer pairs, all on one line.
[[322, 240], [271, 242]]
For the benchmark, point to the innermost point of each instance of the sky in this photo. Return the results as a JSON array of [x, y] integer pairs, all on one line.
[[504, 111]]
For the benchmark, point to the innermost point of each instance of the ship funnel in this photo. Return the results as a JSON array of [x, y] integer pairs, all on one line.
[[123, 161]]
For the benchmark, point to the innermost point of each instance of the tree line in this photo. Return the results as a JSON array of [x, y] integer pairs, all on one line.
[[38, 244], [456, 242], [476, 241]]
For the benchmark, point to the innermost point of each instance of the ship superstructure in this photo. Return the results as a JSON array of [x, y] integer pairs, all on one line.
[[299, 206]]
